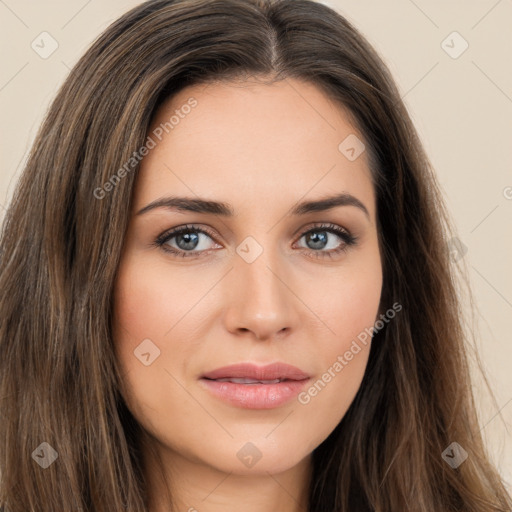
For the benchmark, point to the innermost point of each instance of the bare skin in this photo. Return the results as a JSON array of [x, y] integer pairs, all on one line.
[[262, 149]]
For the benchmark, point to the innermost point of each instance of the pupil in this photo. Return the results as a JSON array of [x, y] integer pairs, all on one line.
[[318, 237], [191, 240]]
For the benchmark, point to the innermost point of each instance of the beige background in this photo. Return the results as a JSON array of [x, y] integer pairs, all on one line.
[[462, 108]]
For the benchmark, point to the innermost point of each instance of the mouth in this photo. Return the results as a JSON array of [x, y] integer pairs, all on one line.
[[255, 387], [250, 381], [250, 371]]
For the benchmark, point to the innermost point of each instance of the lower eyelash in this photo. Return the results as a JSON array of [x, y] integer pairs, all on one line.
[[348, 240], [165, 237]]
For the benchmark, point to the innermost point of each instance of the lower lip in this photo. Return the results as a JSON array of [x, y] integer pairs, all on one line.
[[256, 396]]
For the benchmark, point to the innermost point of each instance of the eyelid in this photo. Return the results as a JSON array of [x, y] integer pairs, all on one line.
[[323, 225], [170, 233], [341, 232]]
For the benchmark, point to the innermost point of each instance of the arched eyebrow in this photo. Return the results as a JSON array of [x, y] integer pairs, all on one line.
[[329, 202], [199, 205]]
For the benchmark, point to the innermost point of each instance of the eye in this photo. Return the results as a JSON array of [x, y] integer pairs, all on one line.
[[184, 241], [318, 239], [192, 241]]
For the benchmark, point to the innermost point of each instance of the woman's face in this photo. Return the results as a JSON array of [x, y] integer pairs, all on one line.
[[260, 276]]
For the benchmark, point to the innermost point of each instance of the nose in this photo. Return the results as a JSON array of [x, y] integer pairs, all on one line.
[[260, 298]]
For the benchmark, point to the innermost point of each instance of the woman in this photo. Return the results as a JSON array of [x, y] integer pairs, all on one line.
[[225, 281]]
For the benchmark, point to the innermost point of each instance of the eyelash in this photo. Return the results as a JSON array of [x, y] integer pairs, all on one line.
[[348, 240]]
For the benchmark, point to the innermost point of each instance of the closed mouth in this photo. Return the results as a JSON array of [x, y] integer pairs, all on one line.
[[249, 381]]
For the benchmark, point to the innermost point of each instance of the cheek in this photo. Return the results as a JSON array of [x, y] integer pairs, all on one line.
[[147, 312], [147, 302], [348, 301], [349, 308], [151, 304]]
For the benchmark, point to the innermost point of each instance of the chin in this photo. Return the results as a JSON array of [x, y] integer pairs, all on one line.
[[255, 458]]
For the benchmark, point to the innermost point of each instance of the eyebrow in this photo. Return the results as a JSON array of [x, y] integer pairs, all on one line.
[[199, 205]]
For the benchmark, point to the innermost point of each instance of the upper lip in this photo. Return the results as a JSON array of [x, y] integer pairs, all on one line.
[[252, 371]]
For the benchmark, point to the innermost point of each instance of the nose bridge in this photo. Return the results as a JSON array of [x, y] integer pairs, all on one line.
[[261, 276], [260, 300]]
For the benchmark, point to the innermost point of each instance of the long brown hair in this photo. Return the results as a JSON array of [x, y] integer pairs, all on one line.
[[62, 239]]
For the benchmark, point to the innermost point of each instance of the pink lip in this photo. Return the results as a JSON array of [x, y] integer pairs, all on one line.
[[252, 371], [256, 396]]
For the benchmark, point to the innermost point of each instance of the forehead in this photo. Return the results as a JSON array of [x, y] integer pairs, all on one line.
[[242, 141]]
